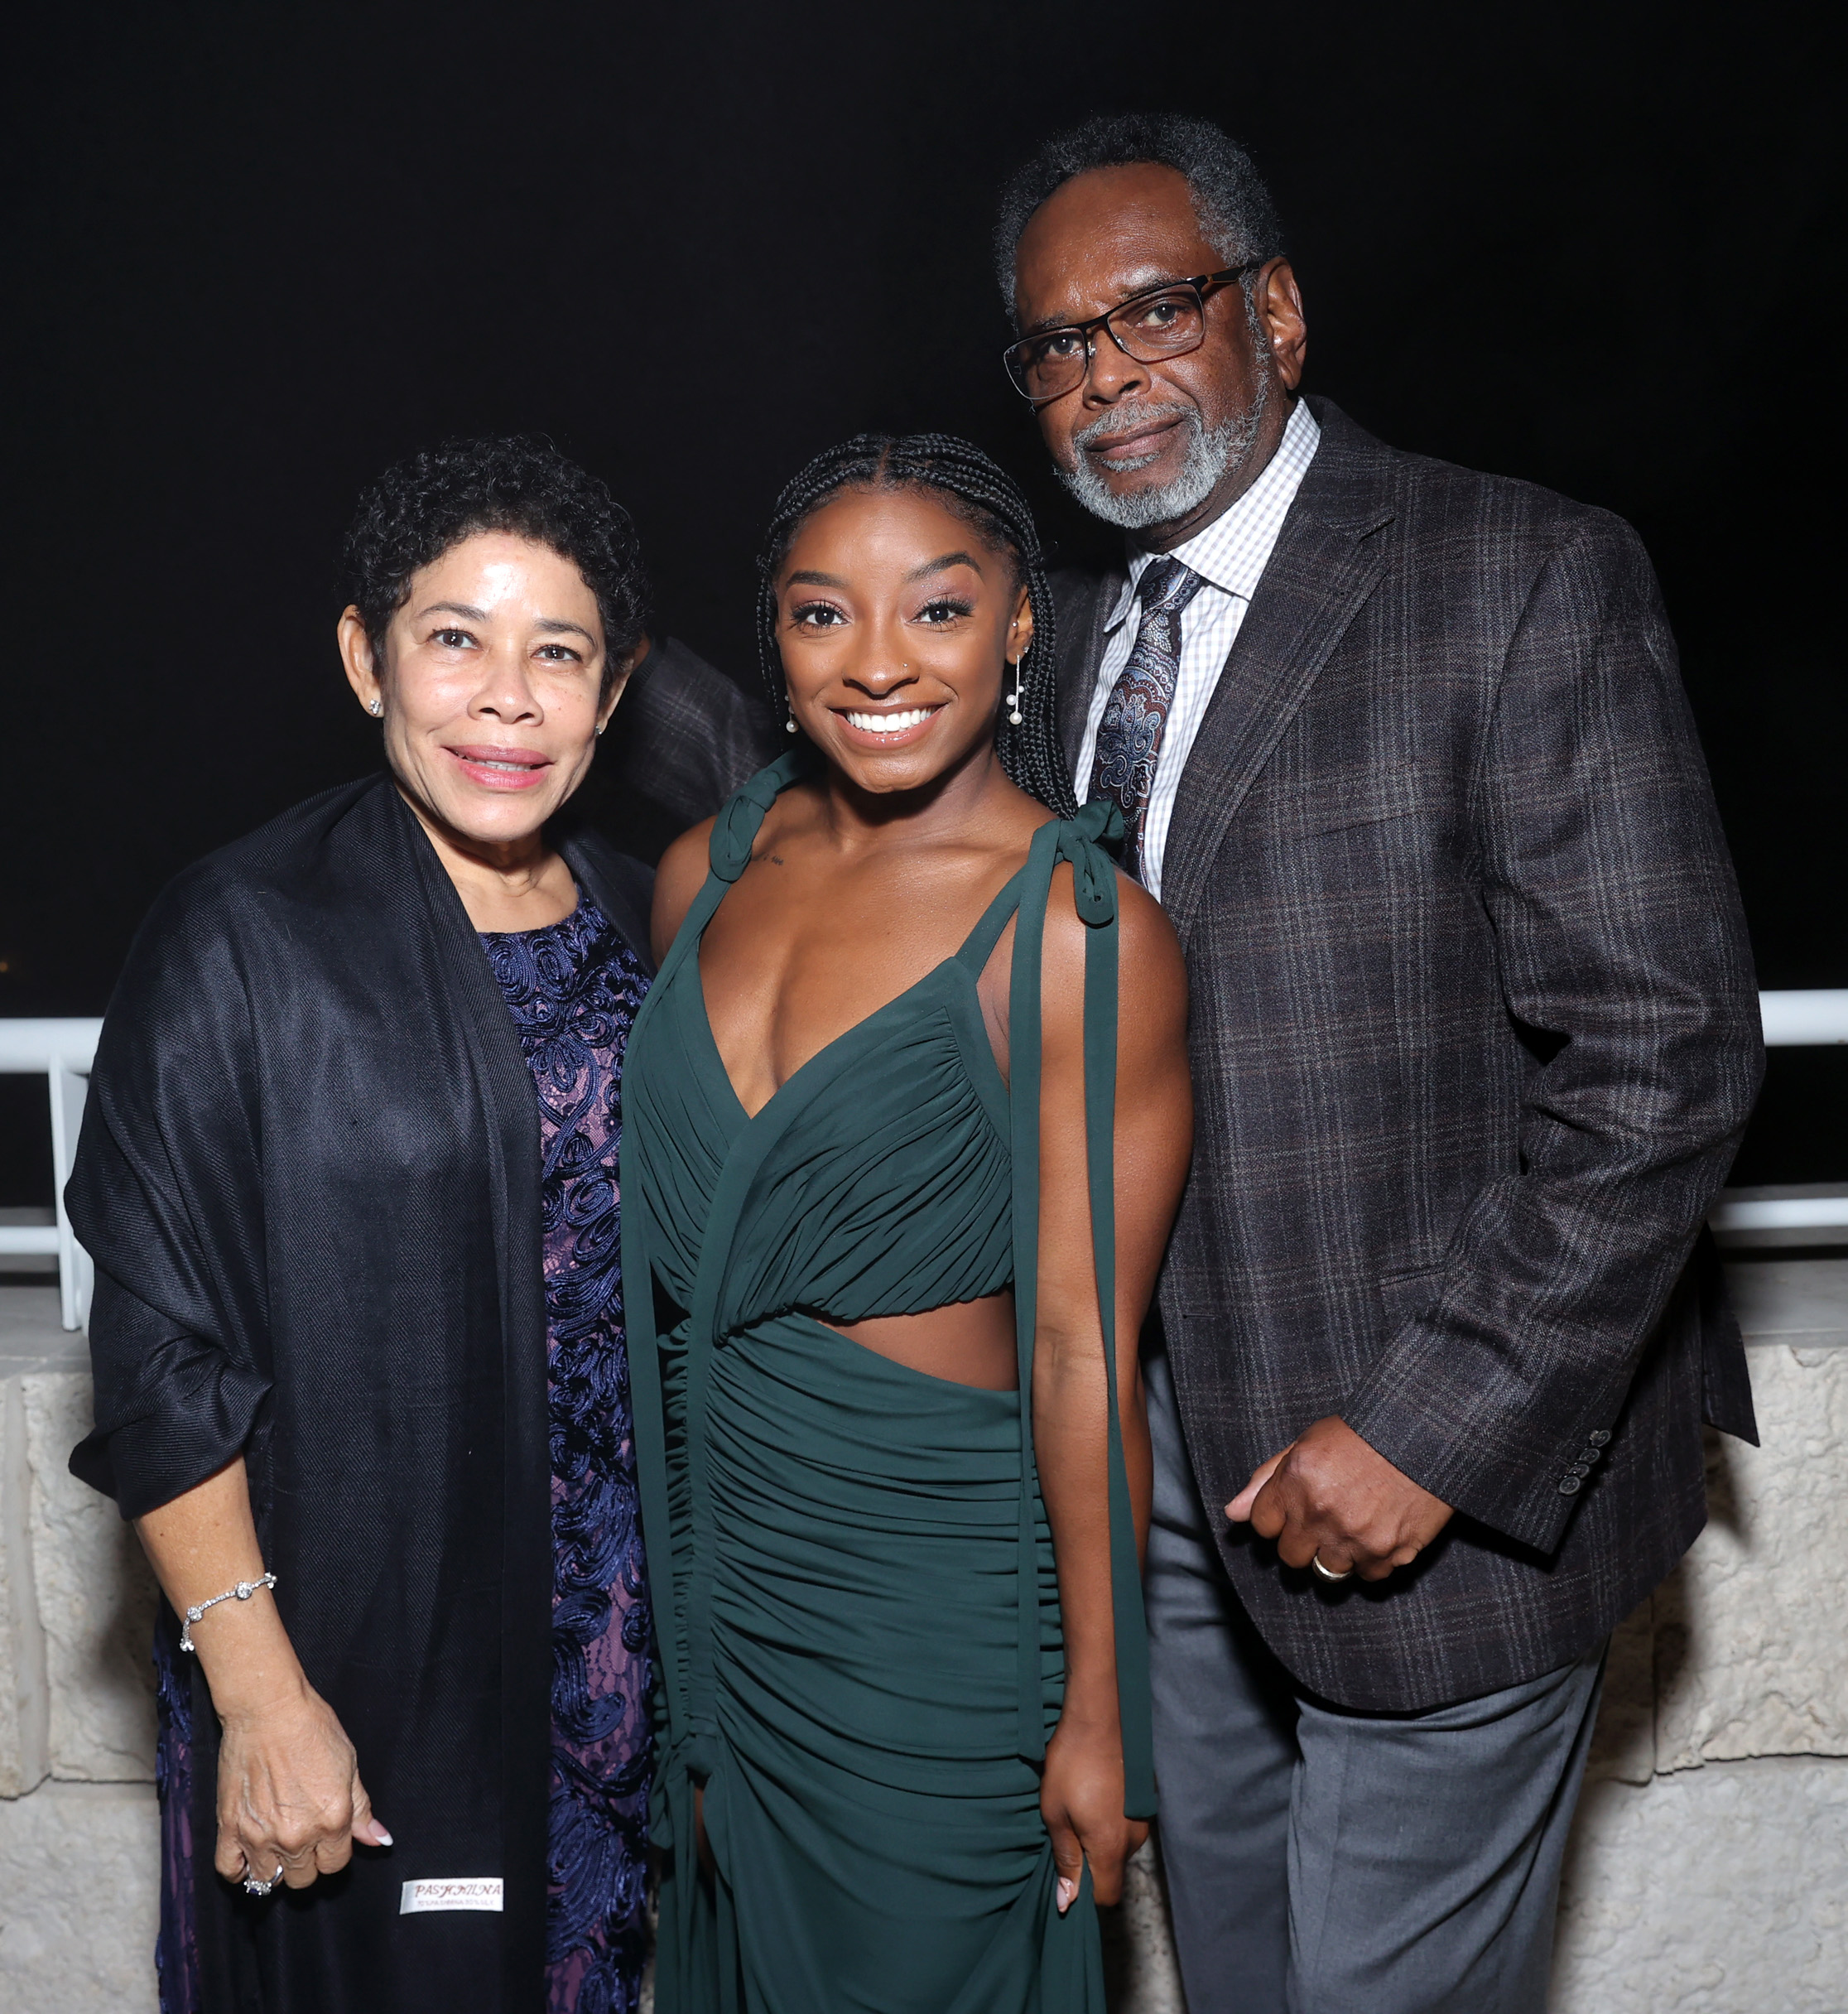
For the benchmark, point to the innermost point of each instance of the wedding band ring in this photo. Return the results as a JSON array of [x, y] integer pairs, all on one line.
[[1328, 1573]]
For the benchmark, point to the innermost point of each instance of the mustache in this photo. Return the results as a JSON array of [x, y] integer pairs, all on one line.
[[1114, 425]]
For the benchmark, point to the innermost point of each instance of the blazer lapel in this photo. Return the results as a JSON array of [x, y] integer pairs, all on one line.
[[1325, 564]]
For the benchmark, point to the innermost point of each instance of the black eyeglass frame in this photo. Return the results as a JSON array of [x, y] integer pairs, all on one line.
[[1202, 284]]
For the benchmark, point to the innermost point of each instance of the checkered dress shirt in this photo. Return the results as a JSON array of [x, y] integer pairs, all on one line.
[[1230, 556]]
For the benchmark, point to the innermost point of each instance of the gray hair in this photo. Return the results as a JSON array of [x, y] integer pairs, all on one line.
[[1229, 198]]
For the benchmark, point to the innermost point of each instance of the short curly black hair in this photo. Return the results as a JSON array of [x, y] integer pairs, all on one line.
[[432, 500], [1234, 207]]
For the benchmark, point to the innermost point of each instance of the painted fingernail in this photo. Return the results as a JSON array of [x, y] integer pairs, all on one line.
[[1068, 1893], [384, 1837]]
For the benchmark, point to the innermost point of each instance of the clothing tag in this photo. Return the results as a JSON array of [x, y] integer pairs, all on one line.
[[464, 1894]]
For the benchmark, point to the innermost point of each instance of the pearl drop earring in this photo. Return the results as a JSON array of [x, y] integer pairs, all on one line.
[[789, 726], [1014, 697]]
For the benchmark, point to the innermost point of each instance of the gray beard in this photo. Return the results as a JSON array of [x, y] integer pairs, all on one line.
[[1211, 453]]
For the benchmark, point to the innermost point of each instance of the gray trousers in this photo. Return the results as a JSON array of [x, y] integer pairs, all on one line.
[[1328, 1862]]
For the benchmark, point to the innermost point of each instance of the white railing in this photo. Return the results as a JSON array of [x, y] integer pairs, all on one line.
[[1805, 1020], [1817, 1019], [61, 1051], [1740, 1210]]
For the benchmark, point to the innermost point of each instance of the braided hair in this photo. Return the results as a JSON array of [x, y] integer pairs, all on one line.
[[985, 498]]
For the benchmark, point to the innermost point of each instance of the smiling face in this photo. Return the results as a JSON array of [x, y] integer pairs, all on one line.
[[491, 679], [897, 624], [1160, 448]]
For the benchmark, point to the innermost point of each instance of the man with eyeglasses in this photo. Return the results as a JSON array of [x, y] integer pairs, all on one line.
[[1403, 751]]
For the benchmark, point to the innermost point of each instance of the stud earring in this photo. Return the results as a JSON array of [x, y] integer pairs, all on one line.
[[377, 708]]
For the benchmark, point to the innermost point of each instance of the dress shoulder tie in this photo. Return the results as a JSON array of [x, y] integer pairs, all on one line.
[[734, 830], [1082, 842]]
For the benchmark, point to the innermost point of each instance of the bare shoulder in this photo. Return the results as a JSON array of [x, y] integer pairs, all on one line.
[[678, 877], [1151, 972], [1150, 949]]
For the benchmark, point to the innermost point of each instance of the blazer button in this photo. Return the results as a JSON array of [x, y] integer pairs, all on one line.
[[1570, 1486], [1598, 1440], [1579, 1468], [1591, 1455]]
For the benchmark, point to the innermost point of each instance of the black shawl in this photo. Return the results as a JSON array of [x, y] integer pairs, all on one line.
[[309, 1176]]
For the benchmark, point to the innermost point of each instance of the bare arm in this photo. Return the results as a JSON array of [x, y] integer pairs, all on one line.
[[1082, 1794], [289, 1794]]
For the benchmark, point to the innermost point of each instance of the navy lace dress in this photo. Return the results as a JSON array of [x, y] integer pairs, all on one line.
[[573, 990]]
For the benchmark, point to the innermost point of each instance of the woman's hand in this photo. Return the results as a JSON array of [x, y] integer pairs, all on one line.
[[1082, 1801], [290, 1800]]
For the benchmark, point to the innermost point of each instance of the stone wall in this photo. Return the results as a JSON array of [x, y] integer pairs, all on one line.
[[1708, 1870], [78, 1854]]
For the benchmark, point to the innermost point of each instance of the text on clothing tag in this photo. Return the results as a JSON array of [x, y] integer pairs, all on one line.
[[478, 1893]]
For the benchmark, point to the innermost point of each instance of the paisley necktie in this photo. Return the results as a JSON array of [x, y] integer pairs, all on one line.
[[1129, 735]]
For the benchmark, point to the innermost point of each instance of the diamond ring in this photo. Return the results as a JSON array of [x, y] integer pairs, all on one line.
[[252, 1885]]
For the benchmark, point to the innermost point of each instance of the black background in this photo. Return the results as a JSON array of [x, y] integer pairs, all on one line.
[[257, 252]]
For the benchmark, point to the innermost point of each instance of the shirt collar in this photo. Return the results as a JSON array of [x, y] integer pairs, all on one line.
[[1232, 552]]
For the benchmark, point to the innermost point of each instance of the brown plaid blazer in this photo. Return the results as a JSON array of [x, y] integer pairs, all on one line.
[[1475, 1036]]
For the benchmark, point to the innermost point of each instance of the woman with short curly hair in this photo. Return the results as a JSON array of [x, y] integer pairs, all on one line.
[[359, 1333]]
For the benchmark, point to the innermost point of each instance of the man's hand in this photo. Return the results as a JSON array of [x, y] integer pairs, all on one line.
[[1329, 1496]]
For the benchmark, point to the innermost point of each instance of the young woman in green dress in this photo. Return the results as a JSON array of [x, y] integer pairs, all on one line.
[[906, 1122]]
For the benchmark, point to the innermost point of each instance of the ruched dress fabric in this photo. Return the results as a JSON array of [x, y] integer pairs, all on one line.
[[855, 1602]]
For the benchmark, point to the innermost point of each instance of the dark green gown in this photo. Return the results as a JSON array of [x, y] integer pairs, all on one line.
[[854, 1597]]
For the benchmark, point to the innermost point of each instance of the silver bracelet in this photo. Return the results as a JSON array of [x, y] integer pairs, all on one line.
[[241, 1592]]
